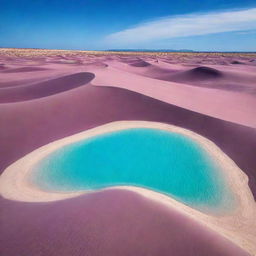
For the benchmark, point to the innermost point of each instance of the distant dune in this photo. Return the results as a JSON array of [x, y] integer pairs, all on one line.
[[44, 89]]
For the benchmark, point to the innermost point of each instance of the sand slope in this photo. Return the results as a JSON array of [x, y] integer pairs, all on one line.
[[44, 89], [106, 223]]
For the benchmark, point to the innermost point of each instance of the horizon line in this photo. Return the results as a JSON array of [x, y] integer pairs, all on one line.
[[130, 50]]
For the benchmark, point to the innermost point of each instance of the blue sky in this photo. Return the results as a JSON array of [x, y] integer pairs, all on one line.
[[213, 25]]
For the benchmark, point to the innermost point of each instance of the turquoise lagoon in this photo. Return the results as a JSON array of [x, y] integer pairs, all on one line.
[[170, 163]]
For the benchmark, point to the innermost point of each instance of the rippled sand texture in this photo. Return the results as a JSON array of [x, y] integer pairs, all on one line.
[[48, 95]]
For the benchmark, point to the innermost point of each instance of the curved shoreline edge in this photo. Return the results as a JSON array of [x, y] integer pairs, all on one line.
[[238, 226]]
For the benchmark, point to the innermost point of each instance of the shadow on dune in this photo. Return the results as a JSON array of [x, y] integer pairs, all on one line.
[[109, 223], [195, 74], [236, 62], [2, 67], [20, 82], [206, 77], [44, 89], [23, 69], [139, 64]]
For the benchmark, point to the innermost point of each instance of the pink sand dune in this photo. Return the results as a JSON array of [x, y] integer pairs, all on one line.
[[23, 69], [44, 89], [113, 222], [213, 102], [208, 77], [117, 222]]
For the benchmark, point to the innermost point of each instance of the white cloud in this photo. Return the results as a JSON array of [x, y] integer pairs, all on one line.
[[187, 25]]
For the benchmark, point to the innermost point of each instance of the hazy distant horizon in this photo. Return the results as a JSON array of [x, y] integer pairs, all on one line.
[[130, 50]]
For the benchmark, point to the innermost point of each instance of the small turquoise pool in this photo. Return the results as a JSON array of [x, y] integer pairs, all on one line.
[[169, 163]]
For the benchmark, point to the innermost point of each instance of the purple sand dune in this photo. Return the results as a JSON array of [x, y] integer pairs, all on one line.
[[140, 63], [29, 125], [96, 64], [19, 82], [237, 62], [44, 89], [2, 67], [23, 69], [197, 74], [201, 73], [206, 77], [112, 222], [108, 223]]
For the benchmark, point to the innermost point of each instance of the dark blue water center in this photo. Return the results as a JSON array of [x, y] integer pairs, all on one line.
[[169, 163]]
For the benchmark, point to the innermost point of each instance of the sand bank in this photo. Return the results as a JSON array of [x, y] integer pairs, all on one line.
[[238, 225]]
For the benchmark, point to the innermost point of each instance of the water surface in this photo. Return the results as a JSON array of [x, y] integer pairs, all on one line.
[[169, 163]]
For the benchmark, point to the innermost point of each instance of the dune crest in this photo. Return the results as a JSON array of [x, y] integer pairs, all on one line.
[[44, 89], [23, 69]]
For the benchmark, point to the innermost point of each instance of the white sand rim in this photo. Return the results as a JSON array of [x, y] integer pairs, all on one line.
[[239, 225]]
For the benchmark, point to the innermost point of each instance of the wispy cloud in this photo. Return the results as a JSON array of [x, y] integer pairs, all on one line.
[[187, 25]]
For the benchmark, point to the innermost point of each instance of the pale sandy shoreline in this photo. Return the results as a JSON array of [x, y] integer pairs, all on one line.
[[237, 226]]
